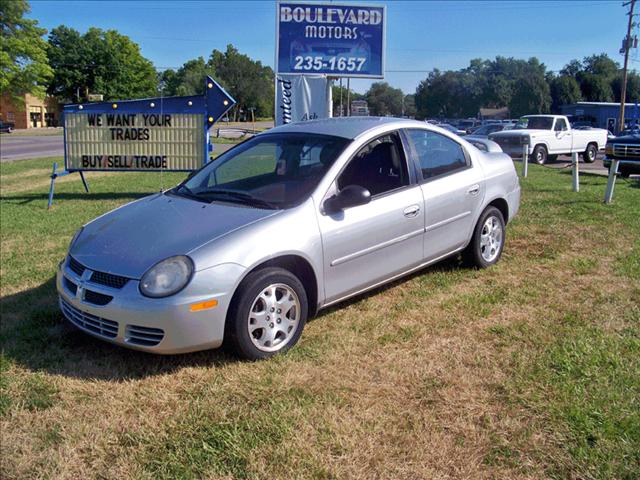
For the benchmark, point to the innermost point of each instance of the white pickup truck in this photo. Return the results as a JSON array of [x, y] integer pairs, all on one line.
[[549, 136]]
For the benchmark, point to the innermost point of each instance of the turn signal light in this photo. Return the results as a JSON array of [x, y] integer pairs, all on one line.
[[206, 305]]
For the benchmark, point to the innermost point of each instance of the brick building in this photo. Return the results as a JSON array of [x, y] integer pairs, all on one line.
[[33, 112]]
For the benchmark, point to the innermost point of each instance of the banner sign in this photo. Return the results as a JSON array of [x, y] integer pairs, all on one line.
[[300, 98], [168, 134], [331, 39]]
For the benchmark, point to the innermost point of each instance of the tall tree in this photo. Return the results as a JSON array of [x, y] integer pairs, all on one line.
[[248, 81], [564, 91], [633, 87], [188, 79], [23, 54], [103, 62], [383, 99]]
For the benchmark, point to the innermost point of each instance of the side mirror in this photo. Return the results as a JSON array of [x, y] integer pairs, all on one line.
[[349, 196]]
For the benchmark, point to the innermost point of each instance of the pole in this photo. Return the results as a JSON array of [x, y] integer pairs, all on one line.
[[341, 96], [611, 182], [525, 160], [348, 96], [627, 47], [576, 172]]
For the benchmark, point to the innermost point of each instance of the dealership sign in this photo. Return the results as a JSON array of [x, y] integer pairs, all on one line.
[[154, 134], [301, 97], [331, 39], [169, 134]]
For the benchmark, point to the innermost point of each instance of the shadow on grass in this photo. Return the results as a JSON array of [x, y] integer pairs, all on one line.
[[43, 197], [36, 336]]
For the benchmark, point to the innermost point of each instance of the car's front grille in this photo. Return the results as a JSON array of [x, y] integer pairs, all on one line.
[[108, 279], [145, 336], [96, 298], [90, 323], [75, 266], [621, 150], [69, 285]]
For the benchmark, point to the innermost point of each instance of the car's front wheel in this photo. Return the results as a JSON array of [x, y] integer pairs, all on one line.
[[267, 315], [487, 243]]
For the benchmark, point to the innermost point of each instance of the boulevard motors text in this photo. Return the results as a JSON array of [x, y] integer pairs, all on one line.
[[330, 22]]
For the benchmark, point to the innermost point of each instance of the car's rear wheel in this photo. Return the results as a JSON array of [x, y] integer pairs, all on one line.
[[539, 155], [487, 243], [590, 154], [267, 315]]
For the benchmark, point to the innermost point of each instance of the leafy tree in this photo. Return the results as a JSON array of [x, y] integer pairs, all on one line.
[[600, 65], [572, 68], [188, 79], [99, 61], [23, 52], [410, 106], [564, 90], [633, 87], [248, 81], [595, 88], [383, 99]]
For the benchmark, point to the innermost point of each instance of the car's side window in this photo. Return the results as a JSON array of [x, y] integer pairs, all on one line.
[[379, 166], [561, 125], [437, 154]]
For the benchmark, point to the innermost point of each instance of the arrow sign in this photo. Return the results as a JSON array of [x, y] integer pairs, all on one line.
[[213, 104]]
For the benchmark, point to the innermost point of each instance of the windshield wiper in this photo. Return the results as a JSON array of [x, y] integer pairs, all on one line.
[[185, 191], [238, 195]]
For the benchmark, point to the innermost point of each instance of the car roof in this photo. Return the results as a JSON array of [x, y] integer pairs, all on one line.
[[346, 127]]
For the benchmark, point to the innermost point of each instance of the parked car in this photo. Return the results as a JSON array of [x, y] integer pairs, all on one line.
[[485, 130], [625, 148], [451, 128], [288, 222], [549, 136], [6, 127], [468, 125]]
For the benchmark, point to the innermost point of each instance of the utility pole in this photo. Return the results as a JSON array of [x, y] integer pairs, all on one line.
[[628, 42]]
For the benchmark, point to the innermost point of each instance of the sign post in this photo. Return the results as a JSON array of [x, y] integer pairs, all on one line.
[[150, 135], [576, 172], [525, 158]]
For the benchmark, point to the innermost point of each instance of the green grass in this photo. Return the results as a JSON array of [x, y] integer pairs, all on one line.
[[530, 368]]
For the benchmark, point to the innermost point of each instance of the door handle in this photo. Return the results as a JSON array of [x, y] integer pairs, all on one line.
[[411, 211], [474, 190]]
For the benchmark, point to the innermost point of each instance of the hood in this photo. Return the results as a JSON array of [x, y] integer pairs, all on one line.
[[129, 240], [633, 138], [517, 133]]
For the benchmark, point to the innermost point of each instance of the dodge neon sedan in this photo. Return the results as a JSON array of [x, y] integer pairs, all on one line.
[[284, 224]]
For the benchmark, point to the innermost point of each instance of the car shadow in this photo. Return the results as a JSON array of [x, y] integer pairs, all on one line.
[[36, 337]]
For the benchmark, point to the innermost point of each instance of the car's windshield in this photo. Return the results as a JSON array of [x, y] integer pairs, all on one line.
[[276, 170], [534, 123]]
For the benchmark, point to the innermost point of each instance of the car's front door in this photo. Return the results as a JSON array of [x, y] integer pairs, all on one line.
[[367, 244], [453, 189], [564, 137]]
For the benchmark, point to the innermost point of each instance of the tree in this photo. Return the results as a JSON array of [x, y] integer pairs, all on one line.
[[564, 91], [595, 88], [23, 54], [248, 81], [99, 61], [633, 87], [188, 79], [410, 106], [383, 99]]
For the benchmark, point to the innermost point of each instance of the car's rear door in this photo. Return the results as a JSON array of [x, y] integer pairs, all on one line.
[[453, 189], [370, 243]]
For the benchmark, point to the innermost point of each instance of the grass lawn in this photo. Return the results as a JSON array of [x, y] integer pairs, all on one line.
[[34, 132], [530, 369]]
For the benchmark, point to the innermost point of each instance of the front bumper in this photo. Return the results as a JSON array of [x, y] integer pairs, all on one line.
[[157, 325]]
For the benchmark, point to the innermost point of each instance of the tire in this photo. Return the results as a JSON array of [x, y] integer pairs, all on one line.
[[476, 253], [256, 328], [590, 154], [539, 155]]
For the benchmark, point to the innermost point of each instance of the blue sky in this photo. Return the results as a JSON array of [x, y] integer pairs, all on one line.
[[420, 35]]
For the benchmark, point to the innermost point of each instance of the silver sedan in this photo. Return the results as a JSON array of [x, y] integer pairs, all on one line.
[[284, 224]]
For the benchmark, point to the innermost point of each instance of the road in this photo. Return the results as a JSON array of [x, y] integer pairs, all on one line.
[[30, 146]]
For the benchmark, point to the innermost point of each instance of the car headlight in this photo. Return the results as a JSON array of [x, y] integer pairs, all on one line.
[[75, 237], [167, 277]]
